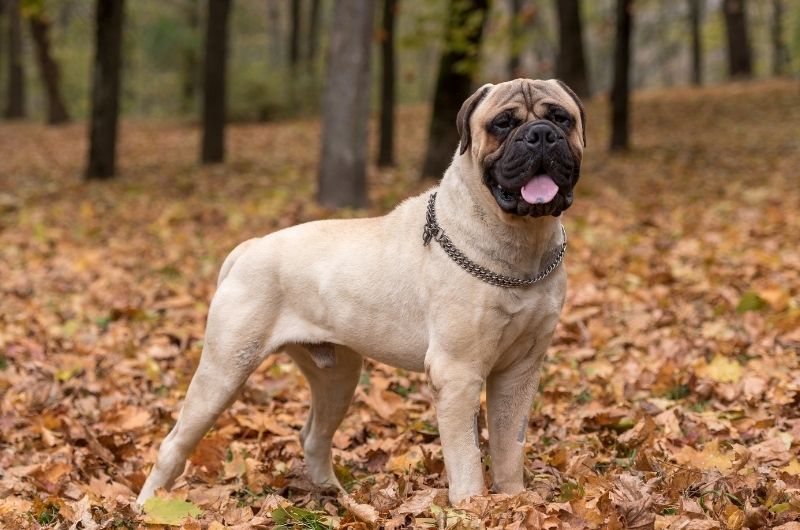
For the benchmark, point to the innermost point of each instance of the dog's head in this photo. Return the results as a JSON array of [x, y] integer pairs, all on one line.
[[525, 138]]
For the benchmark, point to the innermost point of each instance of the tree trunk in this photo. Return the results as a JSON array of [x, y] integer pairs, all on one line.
[[2, 26], [739, 58], [571, 63], [275, 34], [214, 79], [454, 83], [313, 34], [620, 99], [516, 38], [16, 73], [695, 17], [105, 89], [345, 106], [386, 151], [40, 30], [65, 12], [189, 57], [780, 54], [294, 35]]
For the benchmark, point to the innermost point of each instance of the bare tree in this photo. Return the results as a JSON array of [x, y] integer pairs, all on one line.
[[740, 64], [313, 34], [695, 18], [516, 39], [571, 63], [463, 34], [386, 149], [51, 77], [780, 53], [345, 106], [189, 55], [275, 33], [620, 97], [2, 25], [214, 78], [294, 35], [15, 107], [105, 89]]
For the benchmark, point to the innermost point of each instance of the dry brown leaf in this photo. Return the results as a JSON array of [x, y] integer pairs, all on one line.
[[709, 458], [407, 461], [632, 499], [262, 422], [362, 512], [792, 525], [774, 450], [638, 434], [721, 369], [417, 504]]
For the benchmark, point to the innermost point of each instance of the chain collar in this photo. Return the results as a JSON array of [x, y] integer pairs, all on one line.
[[432, 230]]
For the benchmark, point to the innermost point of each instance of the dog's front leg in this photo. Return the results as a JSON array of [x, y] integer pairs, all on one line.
[[509, 394], [457, 388]]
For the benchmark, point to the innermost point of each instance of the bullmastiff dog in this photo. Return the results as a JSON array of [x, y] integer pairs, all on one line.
[[464, 282]]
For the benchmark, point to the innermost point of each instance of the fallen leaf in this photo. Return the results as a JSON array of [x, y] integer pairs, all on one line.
[[407, 461], [169, 511], [362, 512], [417, 504], [709, 458], [721, 369], [632, 499], [262, 422]]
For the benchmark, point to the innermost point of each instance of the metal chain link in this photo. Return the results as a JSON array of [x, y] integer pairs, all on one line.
[[432, 230]]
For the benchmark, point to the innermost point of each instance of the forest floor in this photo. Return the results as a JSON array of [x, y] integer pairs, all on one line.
[[670, 397]]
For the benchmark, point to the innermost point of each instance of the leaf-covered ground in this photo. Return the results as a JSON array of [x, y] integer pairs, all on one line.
[[670, 398]]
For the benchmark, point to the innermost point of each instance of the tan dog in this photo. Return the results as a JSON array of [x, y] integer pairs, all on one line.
[[329, 292]]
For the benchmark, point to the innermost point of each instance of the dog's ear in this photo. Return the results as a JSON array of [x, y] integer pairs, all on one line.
[[462, 121], [578, 102]]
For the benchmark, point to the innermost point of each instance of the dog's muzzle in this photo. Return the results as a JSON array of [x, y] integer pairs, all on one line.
[[535, 171]]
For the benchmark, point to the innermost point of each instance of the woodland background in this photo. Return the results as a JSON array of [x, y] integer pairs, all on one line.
[[141, 141]]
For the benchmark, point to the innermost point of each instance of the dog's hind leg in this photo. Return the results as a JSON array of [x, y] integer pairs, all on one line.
[[227, 265], [332, 373], [234, 347]]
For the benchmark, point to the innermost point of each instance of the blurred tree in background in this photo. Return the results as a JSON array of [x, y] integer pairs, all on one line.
[[695, 17], [620, 98], [780, 52], [48, 68], [386, 149], [457, 66], [189, 49], [739, 62], [15, 107], [345, 107], [214, 81], [516, 30], [105, 89], [571, 59]]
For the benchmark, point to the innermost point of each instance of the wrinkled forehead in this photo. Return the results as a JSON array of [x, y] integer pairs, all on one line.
[[532, 95]]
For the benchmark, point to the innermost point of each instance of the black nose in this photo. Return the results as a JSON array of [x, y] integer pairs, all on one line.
[[539, 135]]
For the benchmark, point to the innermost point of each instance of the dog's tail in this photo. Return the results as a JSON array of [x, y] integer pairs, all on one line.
[[231, 259]]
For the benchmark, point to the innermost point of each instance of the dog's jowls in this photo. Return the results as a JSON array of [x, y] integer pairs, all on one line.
[[330, 292]]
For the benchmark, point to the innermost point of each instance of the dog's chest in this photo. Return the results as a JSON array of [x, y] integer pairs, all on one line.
[[520, 321], [498, 328]]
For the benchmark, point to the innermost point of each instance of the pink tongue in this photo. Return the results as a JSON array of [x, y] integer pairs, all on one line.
[[541, 189]]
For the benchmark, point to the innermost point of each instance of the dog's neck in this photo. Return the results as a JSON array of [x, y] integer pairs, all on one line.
[[515, 246]]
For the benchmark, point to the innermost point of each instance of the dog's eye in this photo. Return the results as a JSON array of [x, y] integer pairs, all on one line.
[[561, 117], [503, 122]]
